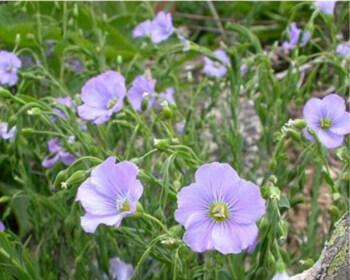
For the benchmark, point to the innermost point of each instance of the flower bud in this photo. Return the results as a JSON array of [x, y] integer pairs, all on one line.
[[299, 123]]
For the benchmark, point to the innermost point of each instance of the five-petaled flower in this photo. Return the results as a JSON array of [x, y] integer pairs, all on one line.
[[57, 153], [159, 29], [328, 119], [216, 69], [9, 65], [109, 194], [102, 97], [220, 210]]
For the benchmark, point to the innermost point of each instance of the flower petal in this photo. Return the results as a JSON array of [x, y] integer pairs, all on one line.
[[341, 125], [334, 106], [329, 139], [247, 206], [313, 112], [90, 222]]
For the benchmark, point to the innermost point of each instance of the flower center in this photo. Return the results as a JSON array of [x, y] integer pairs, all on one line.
[[111, 103], [219, 211], [123, 205], [325, 123]]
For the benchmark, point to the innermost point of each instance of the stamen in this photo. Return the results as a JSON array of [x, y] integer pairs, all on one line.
[[325, 123], [219, 211]]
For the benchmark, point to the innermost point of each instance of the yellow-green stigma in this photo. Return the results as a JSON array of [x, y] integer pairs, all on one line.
[[111, 103], [325, 123], [219, 211], [123, 205]]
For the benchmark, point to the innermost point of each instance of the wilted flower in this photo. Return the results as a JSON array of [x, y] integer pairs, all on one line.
[[281, 276], [109, 194], [2, 226], [5, 132], [343, 49], [102, 96], [159, 29], [141, 95], [328, 119], [326, 7], [9, 64], [220, 210], [295, 34], [57, 153], [215, 68], [120, 270]]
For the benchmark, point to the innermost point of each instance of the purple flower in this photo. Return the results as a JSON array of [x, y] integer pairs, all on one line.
[[343, 50], [328, 119], [142, 92], [295, 34], [102, 96], [159, 29], [143, 29], [215, 68], [109, 194], [180, 127], [168, 96], [9, 64], [66, 102], [120, 270], [2, 226], [219, 210], [162, 27], [281, 276], [326, 7], [75, 65], [5, 132], [57, 153]]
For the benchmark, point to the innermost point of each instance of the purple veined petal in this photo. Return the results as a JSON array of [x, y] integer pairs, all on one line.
[[251, 248], [50, 161], [54, 145], [141, 88], [90, 222], [248, 206], [294, 33], [198, 235], [326, 7], [192, 200], [330, 140], [103, 118], [343, 49], [87, 112], [5, 133], [2, 226], [162, 27], [102, 176], [231, 238], [67, 158], [215, 68], [313, 112], [114, 84], [334, 107], [341, 125], [120, 270], [95, 202], [143, 29], [216, 177], [93, 94]]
